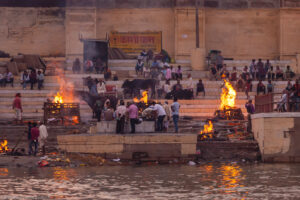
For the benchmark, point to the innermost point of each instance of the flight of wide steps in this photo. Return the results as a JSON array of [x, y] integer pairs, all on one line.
[[33, 100]]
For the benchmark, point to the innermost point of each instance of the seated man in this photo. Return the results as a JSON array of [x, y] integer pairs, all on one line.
[[9, 78], [240, 84], [261, 88], [2, 80], [177, 86], [279, 73], [200, 88], [289, 73]]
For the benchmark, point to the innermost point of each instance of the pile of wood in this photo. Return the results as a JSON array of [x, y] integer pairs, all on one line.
[[231, 130], [20, 63]]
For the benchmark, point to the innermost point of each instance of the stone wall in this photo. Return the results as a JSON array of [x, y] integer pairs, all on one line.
[[241, 29], [278, 136], [32, 31]]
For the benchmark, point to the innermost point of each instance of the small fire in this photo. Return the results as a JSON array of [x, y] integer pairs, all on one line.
[[75, 119], [58, 98], [3, 146], [228, 96], [143, 99], [207, 131]]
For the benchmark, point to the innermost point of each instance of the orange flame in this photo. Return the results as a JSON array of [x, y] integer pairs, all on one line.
[[207, 130], [65, 94], [3, 146], [143, 99], [75, 119], [58, 98], [228, 96]]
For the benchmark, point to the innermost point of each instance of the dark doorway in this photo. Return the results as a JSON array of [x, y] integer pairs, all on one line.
[[94, 49]]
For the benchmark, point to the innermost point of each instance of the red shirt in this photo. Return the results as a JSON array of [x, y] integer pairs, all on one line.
[[17, 103], [35, 133]]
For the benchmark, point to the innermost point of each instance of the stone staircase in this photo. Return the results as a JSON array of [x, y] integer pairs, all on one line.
[[33, 100]]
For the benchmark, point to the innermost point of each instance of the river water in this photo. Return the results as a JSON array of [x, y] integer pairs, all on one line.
[[207, 181]]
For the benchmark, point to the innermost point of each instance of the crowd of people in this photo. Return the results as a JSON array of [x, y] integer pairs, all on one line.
[[160, 113]]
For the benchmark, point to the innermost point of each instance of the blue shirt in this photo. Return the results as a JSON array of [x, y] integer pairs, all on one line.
[[175, 108]]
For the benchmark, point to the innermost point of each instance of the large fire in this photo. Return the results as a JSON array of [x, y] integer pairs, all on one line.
[[228, 96], [143, 99], [66, 90], [207, 131], [3, 146]]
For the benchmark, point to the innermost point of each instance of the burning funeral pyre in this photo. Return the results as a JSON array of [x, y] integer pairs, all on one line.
[[228, 122], [3, 146], [62, 109]]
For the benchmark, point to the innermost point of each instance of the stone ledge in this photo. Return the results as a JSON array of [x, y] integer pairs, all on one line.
[[275, 115]]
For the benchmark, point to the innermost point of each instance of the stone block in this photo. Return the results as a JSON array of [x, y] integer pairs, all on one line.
[[188, 149], [110, 127]]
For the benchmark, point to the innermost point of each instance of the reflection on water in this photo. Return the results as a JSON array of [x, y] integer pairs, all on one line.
[[209, 181]]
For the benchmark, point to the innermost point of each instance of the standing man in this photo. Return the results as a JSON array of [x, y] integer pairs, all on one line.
[[43, 137], [161, 113], [175, 113], [40, 79], [35, 133], [133, 116], [219, 61], [120, 115], [17, 106], [168, 114], [250, 110]]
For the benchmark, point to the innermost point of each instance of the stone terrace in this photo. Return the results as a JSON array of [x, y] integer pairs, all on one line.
[[33, 100]]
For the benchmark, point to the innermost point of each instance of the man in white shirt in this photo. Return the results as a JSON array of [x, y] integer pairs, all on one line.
[[161, 113], [120, 115], [43, 137]]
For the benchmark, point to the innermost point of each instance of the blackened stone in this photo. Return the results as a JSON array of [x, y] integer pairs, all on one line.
[[261, 4], [211, 4]]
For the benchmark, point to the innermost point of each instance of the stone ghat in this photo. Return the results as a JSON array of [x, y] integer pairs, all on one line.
[[150, 146]]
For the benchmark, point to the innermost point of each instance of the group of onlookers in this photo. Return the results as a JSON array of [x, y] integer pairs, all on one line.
[[32, 78], [131, 114], [6, 78]]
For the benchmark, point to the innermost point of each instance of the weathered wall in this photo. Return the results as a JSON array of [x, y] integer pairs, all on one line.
[[32, 31], [290, 32], [80, 22], [138, 20], [243, 34]]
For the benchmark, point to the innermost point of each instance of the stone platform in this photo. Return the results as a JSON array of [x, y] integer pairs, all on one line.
[[110, 127], [278, 136], [151, 146]]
